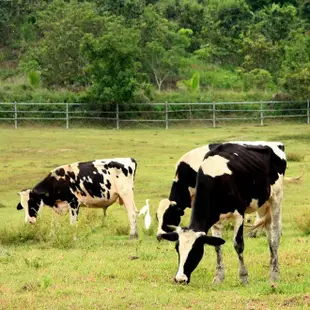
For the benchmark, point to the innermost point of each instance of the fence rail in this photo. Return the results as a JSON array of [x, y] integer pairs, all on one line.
[[164, 113]]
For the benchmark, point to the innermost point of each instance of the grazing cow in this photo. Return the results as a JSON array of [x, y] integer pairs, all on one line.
[[232, 180], [95, 184], [182, 191]]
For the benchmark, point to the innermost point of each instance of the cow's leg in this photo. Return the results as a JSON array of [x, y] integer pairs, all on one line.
[[74, 211], [239, 246], [274, 235], [132, 211], [253, 232], [216, 231]]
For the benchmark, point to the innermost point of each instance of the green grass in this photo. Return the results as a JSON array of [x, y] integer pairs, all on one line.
[[42, 267]]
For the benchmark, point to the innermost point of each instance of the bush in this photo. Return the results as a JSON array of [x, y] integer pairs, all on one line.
[[302, 222], [34, 79], [259, 79]]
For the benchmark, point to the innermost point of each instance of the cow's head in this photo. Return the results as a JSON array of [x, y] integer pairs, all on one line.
[[190, 248], [31, 202], [168, 213]]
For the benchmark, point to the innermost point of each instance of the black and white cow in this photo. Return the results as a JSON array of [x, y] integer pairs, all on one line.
[[182, 191], [232, 180], [95, 184]]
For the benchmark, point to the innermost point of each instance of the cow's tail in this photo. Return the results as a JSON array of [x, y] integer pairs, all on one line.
[[294, 179], [135, 169], [262, 222]]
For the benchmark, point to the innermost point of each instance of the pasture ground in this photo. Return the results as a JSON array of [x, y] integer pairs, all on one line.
[[42, 267]]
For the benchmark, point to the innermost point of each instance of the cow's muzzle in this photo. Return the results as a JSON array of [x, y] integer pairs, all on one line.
[[181, 279], [159, 237], [32, 220]]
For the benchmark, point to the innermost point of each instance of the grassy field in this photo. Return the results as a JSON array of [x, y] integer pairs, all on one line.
[[42, 267]]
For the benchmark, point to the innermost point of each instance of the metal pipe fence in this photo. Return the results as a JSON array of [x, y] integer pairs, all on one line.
[[214, 113]]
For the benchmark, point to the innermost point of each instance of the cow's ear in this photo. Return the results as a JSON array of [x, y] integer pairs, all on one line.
[[215, 241], [171, 236], [19, 207]]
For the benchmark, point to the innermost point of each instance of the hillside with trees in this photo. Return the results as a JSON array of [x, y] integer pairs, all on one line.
[[150, 50]]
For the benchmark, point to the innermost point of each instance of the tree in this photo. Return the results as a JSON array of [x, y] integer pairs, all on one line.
[[113, 62], [281, 20], [259, 52], [62, 26], [305, 10], [129, 9], [188, 14], [226, 21], [295, 70], [163, 47]]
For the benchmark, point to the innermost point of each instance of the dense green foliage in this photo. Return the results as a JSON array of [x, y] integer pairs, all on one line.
[[133, 50]]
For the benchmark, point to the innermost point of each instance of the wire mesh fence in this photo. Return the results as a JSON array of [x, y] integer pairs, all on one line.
[[162, 115]]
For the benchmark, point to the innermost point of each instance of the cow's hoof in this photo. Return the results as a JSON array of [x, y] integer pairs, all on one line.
[[274, 277], [244, 280], [218, 279], [252, 234], [133, 237]]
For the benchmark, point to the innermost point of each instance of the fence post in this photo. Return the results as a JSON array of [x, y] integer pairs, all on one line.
[[117, 116], [261, 114], [67, 115], [167, 117], [15, 114], [308, 111], [214, 119]]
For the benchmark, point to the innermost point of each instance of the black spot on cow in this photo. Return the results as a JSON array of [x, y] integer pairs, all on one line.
[[125, 171], [90, 180], [104, 171], [108, 195], [179, 190], [60, 172], [106, 166], [213, 145], [117, 176], [114, 164], [71, 174], [108, 184], [19, 206], [130, 170]]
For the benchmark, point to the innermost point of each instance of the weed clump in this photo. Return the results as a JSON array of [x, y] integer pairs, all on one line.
[[296, 157], [302, 222]]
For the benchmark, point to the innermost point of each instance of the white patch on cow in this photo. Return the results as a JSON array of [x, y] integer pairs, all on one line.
[[24, 198], [215, 166], [194, 157], [187, 239], [162, 207]]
